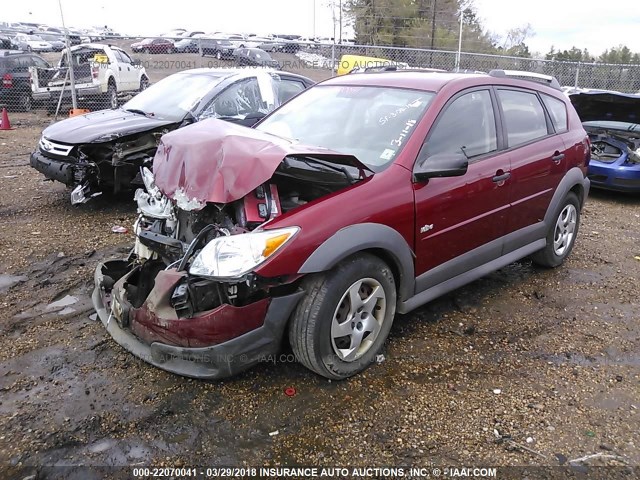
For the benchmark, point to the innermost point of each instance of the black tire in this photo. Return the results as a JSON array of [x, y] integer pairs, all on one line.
[[25, 102], [29, 49], [144, 83], [111, 97], [311, 330], [558, 246]]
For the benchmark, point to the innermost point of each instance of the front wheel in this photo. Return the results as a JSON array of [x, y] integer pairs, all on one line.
[[340, 326], [561, 235]]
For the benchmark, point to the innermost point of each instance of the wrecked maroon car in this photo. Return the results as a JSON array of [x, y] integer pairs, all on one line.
[[363, 197]]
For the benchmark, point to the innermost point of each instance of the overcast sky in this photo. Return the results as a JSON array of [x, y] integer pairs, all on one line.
[[562, 23]]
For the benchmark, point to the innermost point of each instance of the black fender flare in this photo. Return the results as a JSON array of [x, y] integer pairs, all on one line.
[[366, 236], [573, 177]]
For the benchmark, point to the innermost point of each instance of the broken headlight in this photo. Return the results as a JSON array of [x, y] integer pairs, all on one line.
[[235, 255], [152, 203]]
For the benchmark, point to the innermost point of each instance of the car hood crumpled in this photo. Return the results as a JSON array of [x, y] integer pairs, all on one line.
[[607, 106], [219, 162]]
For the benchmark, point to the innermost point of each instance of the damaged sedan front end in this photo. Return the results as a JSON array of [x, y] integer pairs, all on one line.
[[188, 299], [103, 151]]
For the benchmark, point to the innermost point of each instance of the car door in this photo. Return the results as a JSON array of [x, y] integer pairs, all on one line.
[[128, 73], [460, 221], [538, 158]]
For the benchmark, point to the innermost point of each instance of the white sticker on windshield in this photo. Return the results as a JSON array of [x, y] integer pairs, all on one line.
[[387, 154], [415, 104]]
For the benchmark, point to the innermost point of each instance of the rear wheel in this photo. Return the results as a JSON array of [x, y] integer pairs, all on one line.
[[112, 96], [561, 235], [25, 103], [144, 83], [340, 326]]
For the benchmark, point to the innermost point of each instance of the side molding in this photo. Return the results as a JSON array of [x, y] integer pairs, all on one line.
[[366, 236]]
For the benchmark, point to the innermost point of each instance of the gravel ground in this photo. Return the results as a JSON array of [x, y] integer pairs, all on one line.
[[548, 360]]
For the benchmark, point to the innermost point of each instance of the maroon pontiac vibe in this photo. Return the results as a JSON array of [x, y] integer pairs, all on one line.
[[365, 196]]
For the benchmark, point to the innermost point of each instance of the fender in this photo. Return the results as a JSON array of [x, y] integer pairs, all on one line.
[[365, 236], [572, 178]]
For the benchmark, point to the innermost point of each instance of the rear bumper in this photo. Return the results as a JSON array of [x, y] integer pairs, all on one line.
[[81, 93], [214, 361]]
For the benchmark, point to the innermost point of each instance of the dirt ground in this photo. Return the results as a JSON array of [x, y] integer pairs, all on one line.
[[547, 360]]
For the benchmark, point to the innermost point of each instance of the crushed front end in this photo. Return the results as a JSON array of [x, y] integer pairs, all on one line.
[[189, 299], [155, 306]]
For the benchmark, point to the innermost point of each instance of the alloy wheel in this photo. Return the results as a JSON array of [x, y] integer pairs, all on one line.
[[565, 229], [357, 319]]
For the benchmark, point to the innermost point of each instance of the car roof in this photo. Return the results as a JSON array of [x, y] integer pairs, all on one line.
[[230, 72], [434, 81]]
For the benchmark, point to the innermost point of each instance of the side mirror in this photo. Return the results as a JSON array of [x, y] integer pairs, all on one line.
[[441, 165]]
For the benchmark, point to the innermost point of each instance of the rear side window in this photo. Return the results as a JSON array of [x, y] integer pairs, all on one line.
[[466, 126], [558, 112], [288, 89], [523, 116]]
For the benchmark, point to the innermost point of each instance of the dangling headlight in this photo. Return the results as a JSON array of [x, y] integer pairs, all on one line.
[[235, 255], [152, 203]]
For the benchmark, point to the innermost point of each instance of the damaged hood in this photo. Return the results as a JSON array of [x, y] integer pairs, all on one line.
[[220, 162], [607, 106], [101, 126]]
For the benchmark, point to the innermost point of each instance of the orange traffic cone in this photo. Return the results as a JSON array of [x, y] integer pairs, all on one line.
[[5, 124]]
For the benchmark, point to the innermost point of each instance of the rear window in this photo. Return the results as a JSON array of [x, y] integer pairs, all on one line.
[[558, 112]]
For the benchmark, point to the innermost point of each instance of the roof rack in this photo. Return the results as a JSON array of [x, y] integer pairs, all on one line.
[[548, 80]]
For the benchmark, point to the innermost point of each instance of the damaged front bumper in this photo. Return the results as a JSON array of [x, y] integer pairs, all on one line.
[[210, 345]]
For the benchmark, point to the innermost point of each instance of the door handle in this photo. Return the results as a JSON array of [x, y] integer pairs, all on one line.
[[501, 177], [557, 157]]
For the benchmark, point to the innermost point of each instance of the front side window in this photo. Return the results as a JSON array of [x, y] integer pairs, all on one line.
[[467, 126], [237, 101], [523, 117]]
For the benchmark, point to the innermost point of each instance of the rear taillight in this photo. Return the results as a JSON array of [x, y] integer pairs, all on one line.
[[94, 72], [7, 80]]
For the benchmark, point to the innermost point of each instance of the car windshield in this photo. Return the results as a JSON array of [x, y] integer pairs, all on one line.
[[174, 96], [35, 38], [371, 123]]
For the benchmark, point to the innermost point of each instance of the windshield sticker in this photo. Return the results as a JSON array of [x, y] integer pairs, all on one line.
[[413, 104], [388, 154], [405, 131]]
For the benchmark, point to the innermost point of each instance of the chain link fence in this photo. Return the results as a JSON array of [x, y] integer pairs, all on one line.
[[108, 74]]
